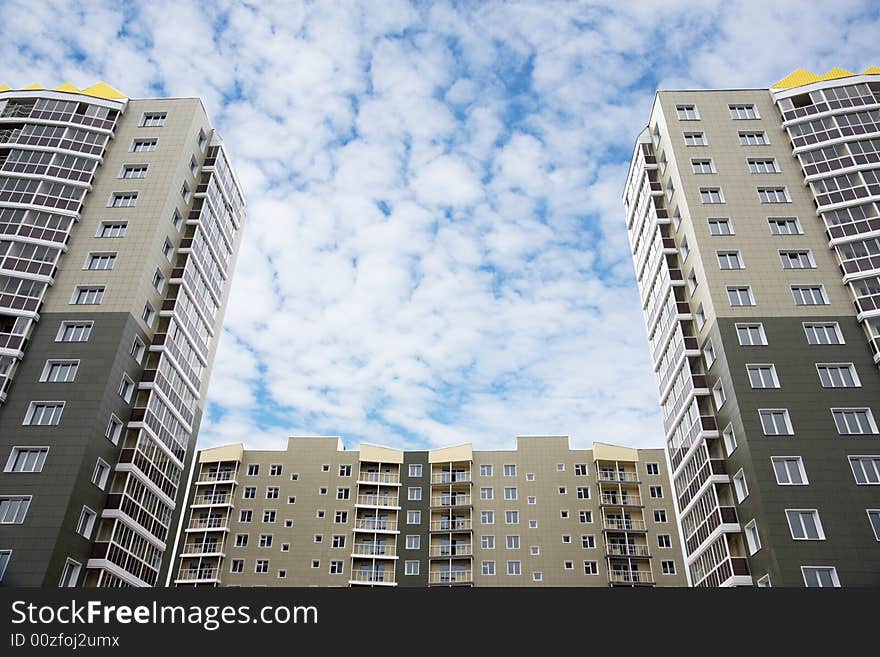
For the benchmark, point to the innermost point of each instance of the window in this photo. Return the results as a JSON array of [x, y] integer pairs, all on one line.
[[740, 296], [338, 541], [113, 430], [530, 476], [720, 226], [785, 226], [729, 260], [827, 333], [820, 576], [719, 395], [203, 140], [660, 515], [137, 350], [752, 537], [123, 200], [318, 538], [809, 295], [272, 493], [667, 567], [294, 476], [764, 582], [340, 517], [269, 516], [537, 576], [580, 469], [656, 492], [291, 499], [158, 280], [86, 522], [652, 468], [184, 192], [59, 371], [486, 493], [511, 517], [344, 470], [588, 541], [797, 259], [751, 335], [805, 524], [701, 166], [487, 542], [325, 467], [873, 520], [866, 469], [133, 171], [153, 119], [851, 421], [413, 542], [763, 376], [591, 567], [566, 539], [193, 166], [487, 517], [74, 332], [753, 139], [533, 524], [236, 566], [414, 493], [741, 112], [266, 540], [684, 248], [246, 515], [687, 112], [70, 574], [695, 139], [253, 469], [126, 388], [513, 542], [535, 550], [176, 220], [664, 541], [763, 165], [789, 470], [5, 556], [560, 467], [43, 413], [167, 249], [316, 563], [773, 195], [740, 486], [249, 493], [144, 145], [729, 438], [26, 459], [241, 540], [514, 568], [148, 314], [838, 375], [101, 473], [585, 516], [415, 470], [510, 470], [583, 492], [410, 568], [563, 513], [87, 295], [775, 422], [700, 316], [100, 261], [261, 567], [485, 470], [711, 195], [413, 517], [487, 567], [13, 509]]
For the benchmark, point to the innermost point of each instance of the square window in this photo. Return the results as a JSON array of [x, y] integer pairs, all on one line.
[[720, 226], [740, 296], [687, 112], [415, 470], [763, 376], [751, 335], [789, 470], [695, 139], [776, 422], [805, 524]]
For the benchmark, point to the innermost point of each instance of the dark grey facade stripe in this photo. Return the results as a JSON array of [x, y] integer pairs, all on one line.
[[423, 529]]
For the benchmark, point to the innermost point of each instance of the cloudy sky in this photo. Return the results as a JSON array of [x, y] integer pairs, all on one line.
[[435, 250]]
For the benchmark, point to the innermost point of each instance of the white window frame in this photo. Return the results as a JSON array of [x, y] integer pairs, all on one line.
[[800, 466], [16, 450], [740, 486], [857, 383], [825, 326], [102, 480], [761, 367], [748, 326], [787, 418], [80, 327], [753, 537], [816, 518], [834, 578]]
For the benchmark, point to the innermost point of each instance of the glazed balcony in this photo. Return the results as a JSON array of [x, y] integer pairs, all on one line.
[[725, 571], [722, 515]]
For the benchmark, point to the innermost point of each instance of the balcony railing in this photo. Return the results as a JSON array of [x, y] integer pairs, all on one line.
[[207, 523], [379, 477], [450, 500], [211, 499], [374, 550], [377, 500], [451, 477], [451, 550], [610, 475], [624, 524], [222, 475], [375, 525], [631, 577], [451, 525], [202, 548], [723, 514], [197, 574], [372, 576], [621, 500], [617, 550], [451, 577]]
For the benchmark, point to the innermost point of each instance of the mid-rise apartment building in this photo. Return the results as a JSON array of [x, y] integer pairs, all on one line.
[[754, 221], [317, 514], [120, 220]]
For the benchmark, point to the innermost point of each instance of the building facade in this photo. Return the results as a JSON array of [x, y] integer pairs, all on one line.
[[754, 223], [119, 224], [542, 514]]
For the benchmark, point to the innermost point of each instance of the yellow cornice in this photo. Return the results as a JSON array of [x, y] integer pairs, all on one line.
[[800, 77], [99, 90]]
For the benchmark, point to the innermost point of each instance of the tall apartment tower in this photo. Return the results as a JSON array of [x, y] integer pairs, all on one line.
[[542, 514], [754, 221], [119, 224]]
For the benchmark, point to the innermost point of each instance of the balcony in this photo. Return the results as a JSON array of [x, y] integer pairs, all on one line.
[[451, 525], [723, 515], [631, 577], [212, 500], [451, 577], [450, 551], [374, 550], [372, 577], [378, 477], [610, 475], [450, 500], [201, 549], [220, 476], [623, 525], [372, 525], [451, 477], [622, 550], [383, 501], [197, 524], [193, 575], [705, 423], [726, 570], [610, 499]]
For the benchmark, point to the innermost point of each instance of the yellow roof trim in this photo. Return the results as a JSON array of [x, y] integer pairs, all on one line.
[[4, 87], [103, 90], [67, 87], [801, 77], [873, 70], [836, 73], [33, 87]]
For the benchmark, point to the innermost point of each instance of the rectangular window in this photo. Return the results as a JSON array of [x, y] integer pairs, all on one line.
[[487, 517], [591, 567], [805, 524], [414, 493], [743, 112], [5, 556], [185, 192], [26, 459], [853, 421], [148, 314], [249, 493], [510, 470], [789, 470], [711, 195], [59, 371], [583, 492], [718, 394], [660, 516], [74, 332], [158, 281], [510, 493], [740, 296], [133, 171], [751, 335], [694, 139], [485, 470], [824, 333], [729, 438], [729, 260], [652, 468], [740, 486], [820, 576], [513, 542], [753, 139], [269, 516], [752, 537], [687, 113], [101, 474], [656, 492], [763, 376], [664, 541], [153, 119], [144, 145], [272, 493], [809, 295], [703, 165], [112, 229], [123, 200], [236, 566], [415, 470], [137, 350], [720, 226], [13, 509], [100, 261], [126, 388], [413, 542], [588, 541], [246, 515], [487, 542], [585, 516], [486, 493], [838, 375], [873, 519], [785, 226], [344, 470], [87, 295], [86, 522], [763, 165], [261, 566], [113, 430], [487, 567], [511, 517], [802, 259], [413, 517], [775, 422], [773, 195], [866, 469], [70, 574], [580, 469], [514, 568], [43, 413], [411, 568]]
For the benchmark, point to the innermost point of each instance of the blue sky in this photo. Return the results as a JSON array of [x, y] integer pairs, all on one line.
[[435, 251]]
